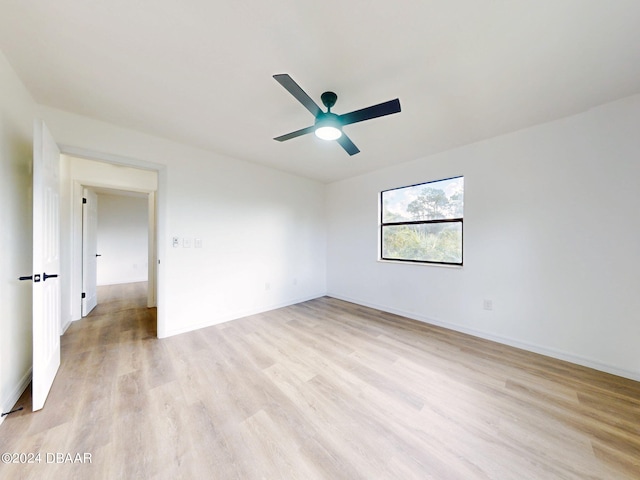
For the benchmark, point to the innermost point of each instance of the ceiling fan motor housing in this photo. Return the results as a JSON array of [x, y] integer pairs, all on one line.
[[329, 99], [328, 119]]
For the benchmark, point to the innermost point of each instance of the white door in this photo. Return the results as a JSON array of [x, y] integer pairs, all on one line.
[[46, 263], [89, 251]]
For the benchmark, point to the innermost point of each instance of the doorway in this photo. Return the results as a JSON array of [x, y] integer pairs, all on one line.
[[103, 178], [117, 242]]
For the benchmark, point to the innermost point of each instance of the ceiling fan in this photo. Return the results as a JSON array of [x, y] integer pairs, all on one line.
[[328, 125]]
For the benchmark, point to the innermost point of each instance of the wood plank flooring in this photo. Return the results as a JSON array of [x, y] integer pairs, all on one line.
[[320, 390]]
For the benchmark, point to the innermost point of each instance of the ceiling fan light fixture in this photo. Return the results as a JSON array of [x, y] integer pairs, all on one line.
[[328, 127], [328, 133]]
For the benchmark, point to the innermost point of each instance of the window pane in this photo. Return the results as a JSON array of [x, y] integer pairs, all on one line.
[[429, 201], [428, 242]]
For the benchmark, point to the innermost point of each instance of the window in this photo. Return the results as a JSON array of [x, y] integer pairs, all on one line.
[[423, 223]]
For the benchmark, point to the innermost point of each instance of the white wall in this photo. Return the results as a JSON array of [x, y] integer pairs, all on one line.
[[122, 239], [17, 110], [263, 231], [551, 234]]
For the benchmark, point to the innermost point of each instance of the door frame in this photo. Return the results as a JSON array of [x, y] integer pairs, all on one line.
[[157, 229], [152, 254]]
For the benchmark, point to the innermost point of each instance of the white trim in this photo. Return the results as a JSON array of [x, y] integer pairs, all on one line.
[[131, 280], [65, 327], [421, 264], [239, 314], [531, 347], [110, 158], [152, 241], [14, 396]]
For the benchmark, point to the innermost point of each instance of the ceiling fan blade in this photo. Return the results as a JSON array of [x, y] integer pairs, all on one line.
[[295, 134], [380, 110], [346, 143], [294, 89]]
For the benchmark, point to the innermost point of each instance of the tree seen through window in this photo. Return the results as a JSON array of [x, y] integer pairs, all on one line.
[[423, 223]]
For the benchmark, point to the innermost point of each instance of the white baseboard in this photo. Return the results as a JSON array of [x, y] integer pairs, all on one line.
[[236, 315], [15, 394], [65, 327], [531, 347]]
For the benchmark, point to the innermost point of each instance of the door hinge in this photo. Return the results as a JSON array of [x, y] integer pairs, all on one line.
[[84, 200], [84, 295]]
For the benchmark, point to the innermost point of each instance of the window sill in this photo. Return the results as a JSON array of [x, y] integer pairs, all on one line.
[[420, 264]]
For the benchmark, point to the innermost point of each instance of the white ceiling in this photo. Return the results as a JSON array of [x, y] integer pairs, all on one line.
[[200, 71]]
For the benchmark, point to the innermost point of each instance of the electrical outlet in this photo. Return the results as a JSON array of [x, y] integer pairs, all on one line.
[[487, 304], [197, 243], [186, 242]]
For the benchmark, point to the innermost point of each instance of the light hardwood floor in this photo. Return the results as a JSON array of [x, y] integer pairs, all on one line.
[[320, 390]]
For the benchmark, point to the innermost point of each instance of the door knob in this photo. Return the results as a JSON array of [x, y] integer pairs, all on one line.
[[35, 278], [45, 276]]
